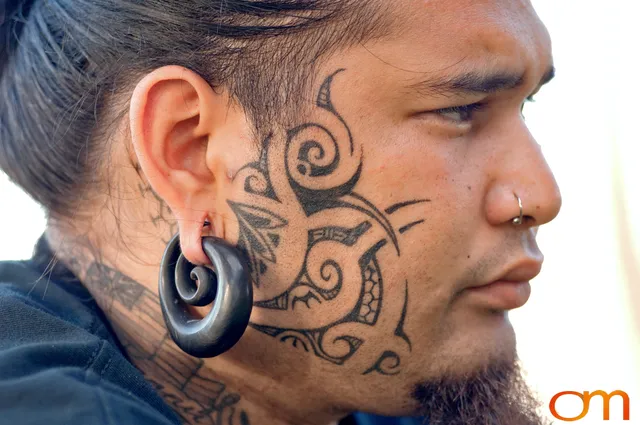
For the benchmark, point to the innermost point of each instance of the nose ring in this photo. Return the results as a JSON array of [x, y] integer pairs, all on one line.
[[518, 220]]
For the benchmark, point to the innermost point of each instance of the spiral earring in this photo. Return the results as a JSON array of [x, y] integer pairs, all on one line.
[[228, 288]]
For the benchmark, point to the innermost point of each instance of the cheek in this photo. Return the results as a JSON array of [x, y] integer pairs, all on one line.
[[407, 166], [402, 165]]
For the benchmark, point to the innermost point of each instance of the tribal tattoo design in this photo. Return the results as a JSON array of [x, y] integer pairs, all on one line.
[[306, 178], [162, 217], [194, 393]]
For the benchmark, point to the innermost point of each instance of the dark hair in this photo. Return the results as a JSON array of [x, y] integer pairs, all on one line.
[[68, 67]]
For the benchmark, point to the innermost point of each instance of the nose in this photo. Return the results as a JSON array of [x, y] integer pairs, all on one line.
[[519, 170]]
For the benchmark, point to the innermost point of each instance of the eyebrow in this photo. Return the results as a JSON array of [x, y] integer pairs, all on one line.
[[474, 83]]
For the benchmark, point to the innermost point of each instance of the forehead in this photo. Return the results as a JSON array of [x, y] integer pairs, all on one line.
[[440, 35]]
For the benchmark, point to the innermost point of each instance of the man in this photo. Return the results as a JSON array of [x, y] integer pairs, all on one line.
[[388, 228]]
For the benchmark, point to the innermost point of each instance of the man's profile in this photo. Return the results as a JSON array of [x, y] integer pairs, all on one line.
[[367, 163]]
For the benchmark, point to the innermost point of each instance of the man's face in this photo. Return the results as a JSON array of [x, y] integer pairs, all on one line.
[[367, 223]]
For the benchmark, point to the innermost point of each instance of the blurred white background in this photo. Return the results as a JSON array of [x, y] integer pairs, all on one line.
[[581, 329]]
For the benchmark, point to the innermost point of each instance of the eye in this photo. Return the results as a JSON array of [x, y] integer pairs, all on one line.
[[460, 114]]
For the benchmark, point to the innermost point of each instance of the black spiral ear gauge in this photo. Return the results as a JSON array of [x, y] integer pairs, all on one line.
[[227, 287]]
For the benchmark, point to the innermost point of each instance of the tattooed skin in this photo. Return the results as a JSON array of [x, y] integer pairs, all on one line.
[[163, 216], [331, 307], [184, 382], [311, 178], [196, 395]]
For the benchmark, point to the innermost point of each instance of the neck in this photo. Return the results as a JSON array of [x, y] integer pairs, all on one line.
[[223, 390]]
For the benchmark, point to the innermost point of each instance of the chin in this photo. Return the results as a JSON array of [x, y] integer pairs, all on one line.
[[475, 379], [472, 343], [474, 354]]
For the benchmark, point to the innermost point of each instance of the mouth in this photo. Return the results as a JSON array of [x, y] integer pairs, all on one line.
[[510, 290], [501, 294]]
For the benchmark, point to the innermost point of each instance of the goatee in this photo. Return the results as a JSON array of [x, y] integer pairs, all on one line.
[[495, 395]]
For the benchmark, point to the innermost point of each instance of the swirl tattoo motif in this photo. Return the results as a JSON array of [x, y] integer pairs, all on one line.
[[308, 181]]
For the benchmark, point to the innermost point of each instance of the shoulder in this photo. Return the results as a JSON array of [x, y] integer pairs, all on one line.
[[28, 296], [59, 362], [70, 396], [366, 419], [42, 325]]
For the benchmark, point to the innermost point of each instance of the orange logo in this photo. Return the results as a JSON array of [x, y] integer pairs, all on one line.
[[586, 399]]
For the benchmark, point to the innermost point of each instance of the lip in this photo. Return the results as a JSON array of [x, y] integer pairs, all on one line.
[[511, 289], [501, 294]]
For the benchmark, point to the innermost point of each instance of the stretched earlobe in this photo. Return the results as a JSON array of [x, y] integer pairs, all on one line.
[[191, 233]]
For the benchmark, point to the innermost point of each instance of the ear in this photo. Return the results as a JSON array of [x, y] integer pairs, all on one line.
[[178, 126]]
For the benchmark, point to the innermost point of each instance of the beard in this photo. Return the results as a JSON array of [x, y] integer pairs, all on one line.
[[494, 395]]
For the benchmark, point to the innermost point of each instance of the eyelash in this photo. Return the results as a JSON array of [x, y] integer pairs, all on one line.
[[467, 111]]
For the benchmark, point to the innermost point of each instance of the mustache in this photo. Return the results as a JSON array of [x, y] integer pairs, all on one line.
[[515, 245], [494, 395]]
